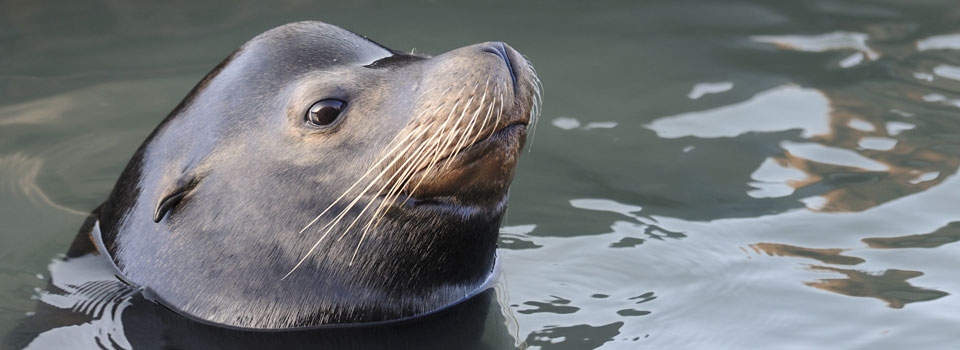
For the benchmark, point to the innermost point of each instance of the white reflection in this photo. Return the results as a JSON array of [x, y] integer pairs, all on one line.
[[779, 109], [861, 125], [923, 76], [815, 203], [939, 42], [600, 125], [566, 123], [773, 179], [933, 175], [877, 143], [831, 155], [941, 98], [852, 60], [89, 288], [517, 230], [895, 128], [606, 205], [709, 88], [902, 113], [947, 71], [820, 43]]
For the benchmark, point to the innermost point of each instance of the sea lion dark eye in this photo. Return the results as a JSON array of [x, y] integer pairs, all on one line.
[[325, 112]]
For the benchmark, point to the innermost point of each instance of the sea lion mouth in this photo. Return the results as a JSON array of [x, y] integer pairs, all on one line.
[[476, 174]]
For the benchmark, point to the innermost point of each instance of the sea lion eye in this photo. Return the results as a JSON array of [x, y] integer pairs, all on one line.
[[325, 112]]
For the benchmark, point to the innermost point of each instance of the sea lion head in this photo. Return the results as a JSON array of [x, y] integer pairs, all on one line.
[[316, 177]]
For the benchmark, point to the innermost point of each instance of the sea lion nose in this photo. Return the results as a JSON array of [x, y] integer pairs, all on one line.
[[502, 50]]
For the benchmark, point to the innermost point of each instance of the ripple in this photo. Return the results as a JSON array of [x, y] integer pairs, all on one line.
[[43, 111], [18, 175]]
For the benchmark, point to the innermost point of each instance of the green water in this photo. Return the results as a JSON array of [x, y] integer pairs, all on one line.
[[706, 174]]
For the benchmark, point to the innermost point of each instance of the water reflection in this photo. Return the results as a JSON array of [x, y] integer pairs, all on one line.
[[866, 158], [81, 309], [557, 305], [575, 337], [854, 151], [578, 313], [944, 235], [890, 286], [867, 146], [827, 256], [87, 307]]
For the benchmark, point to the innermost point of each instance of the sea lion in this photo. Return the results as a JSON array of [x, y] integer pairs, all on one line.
[[318, 178]]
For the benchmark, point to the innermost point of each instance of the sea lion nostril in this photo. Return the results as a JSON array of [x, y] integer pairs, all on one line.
[[499, 49]]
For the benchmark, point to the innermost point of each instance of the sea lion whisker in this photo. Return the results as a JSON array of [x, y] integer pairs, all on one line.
[[397, 142], [404, 172], [429, 167], [452, 132], [433, 154], [359, 180], [486, 117], [330, 225], [461, 135], [408, 141], [470, 126], [536, 105], [437, 132], [499, 115], [438, 155], [389, 199], [398, 176]]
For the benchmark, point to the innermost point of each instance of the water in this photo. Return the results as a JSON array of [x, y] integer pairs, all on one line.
[[752, 174]]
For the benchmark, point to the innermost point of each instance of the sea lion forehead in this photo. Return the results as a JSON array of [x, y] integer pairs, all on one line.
[[316, 43]]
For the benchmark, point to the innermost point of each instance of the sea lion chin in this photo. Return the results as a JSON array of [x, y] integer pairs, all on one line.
[[317, 178]]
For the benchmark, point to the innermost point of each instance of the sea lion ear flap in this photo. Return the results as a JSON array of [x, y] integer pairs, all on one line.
[[172, 197]]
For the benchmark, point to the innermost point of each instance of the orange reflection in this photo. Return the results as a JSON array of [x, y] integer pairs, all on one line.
[[828, 256], [891, 286], [908, 160], [901, 126], [943, 235]]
